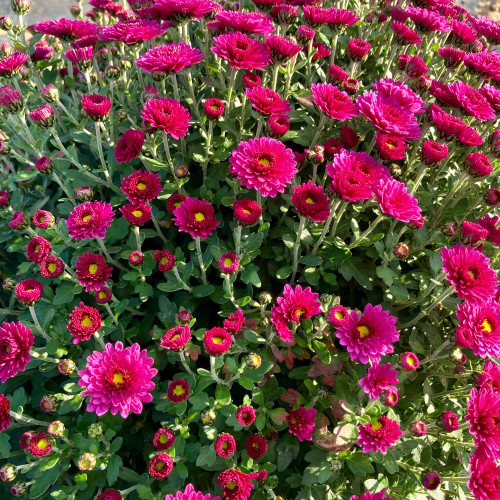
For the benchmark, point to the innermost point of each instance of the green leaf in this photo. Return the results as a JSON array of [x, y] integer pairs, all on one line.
[[206, 457], [113, 469], [316, 474], [202, 290], [360, 464], [222, 394], [128, 475], [250, 275], [284, 272], [43, 479], [311, 260], [64, 294], [4, 445]]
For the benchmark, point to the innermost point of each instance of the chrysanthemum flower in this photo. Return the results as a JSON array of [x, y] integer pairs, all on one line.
[[298, 304], [357, 49], [471, 101], [264, 164], [40, 444], [404, 35], [163, 439], [399, 94], [277, 126], [178, 390], [43, 219], [4, 413], [333, 102], [225, 445], [255, 23], [229, 263], [132, 31], [246, 212], [195, 217], [408, 361], [394, 200], [29, 291], [164, 259], [92, 271], [217, 341], [449, 421], [129, 145], [182, 10], [390, 147], [316, 16], [281, 49], [241, 51], [236, 484], [11, 64], [304, 35], [492, 225], [15, 344], [171, 58], [369, 336], [477, 165], [136, 214], [19, 221], [103, 296], [167, 115], [175, 202], [301, 422], [433, 152], [378, 436], [338, 315], [378, 379], [176, 338], [96, 106], [473, 234], [84, 321], [267, 101], [160, 466], [492, 95], [484, 418], [214, 108], [90, 220], [136, 258], [256, 446], [190, 493], [311, 201], [118, 379], [245, 415], [380, 495], [418, 428], [81, 57], [427, 20], [66, 29], [234, 322], [467, 269], [484, 481], [11, 100], [109, 495], [42, 116], [38, 249], [24, 440]]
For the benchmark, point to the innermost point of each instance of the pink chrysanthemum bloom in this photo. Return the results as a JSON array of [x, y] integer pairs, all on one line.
[[167, 115], [390, 146], [92, 271], [256, 446], [452, 57], [488, 28], [481, 322], [163, 439], [321, 51], [38, 249], [51, 267], [399, 94], [160, 466], [473, 234], [11, 64], [245, 415], [394, 200], [190, 493], [164, 259], [4, 413], [103, 296], [492, 225], [448, 421], [132, 31], [380, 495], [298, 304], [15, 344], [81, 57], [252, 23], [484, 418], [241, 51], [492, 95], [338, 315], [28, 291], [489, 378], [141, 186], [281, 49], [129, 145], [236, 484], [468, 270], [96, 106], [171, 58], [182, 10], [178, 391], [484, 481], [369, 336], [213, 108], [11, 101], [471, 101], [118, 380], [136, 214], [84, 321], [40, 444], [378, 436], [42, 52], [378, 379], [264, 164], [341, 19], [229, 263], [409, 361], [386, 117], [234, 322], [301, 422], [43, 219], [66, 29], [217, 341], [477, 165], [225, 445], [433, 152], [427, 20], [176, 338], [333, 102], [357, 49], [311, 201], [246, 212], [195, 217], [405, 35], [267, 101], [278, 125], [316, 16], [90, 220]]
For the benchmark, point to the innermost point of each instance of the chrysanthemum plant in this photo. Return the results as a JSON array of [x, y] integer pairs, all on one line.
[[250, 250]]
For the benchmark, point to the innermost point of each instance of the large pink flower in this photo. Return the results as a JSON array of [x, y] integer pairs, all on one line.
[[141, 186], [118, 380], [15, 344], [484, 481], [255, 23], [399, 94], [170, 58], [380, 495], [190, 493], [281, 49], [471, 101], [370, 335], [129, 145], [333, 102], [92, 271], [264, 164], [379, 436], [11, 64], [195, 217], [298, 304], [311, 201], [66, 29], [301, 423], [167, 115], [394, 199], [241, 51], [468, 270], [180, 10], [132, 31], [267, 101], [386, 117], [90, 220], [378, 378]]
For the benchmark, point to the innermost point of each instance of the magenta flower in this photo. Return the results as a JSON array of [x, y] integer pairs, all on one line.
[[484, 481], [181, 10], [255, 23], [301, 423], [141, 186], [195, 217], [129, 146], [66, 29], [394, 200], [96, 106], [333, 102], [298, 304], [472, 101], [311, 201], [11, 64], [132, 31], [369, 336], [171, 58], [400, 95], [379, 378], [468, 270], [167, 115], [267, 101], [90, 220], [241, 51], [118, 380], [378, 436], [264, 164], [15, 344], [92, 271], [236, 484], [427, 20], [190, 493], [281, 49], [380, 495]]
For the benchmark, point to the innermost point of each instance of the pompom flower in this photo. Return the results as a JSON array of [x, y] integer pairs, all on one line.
[[228, 263], [369, 336], [264, 164], [92, 271], [468, 270], [136, 214], [195, 217], [245, 415], [256, 446], [178, 391], [484, 481], [333, 102], [167, 115], [40, 444], [160, 466], [118, 380], [15, 343], [267, 101], [164, 259], [301, 423], [43, 219], [338, 315], [378, 436], [129, 145], [225, 445], [96, 106], [394, 199], [190, 493], [90, 220], [4, 413], [449, 421], [176, 338], [246, 212], [408, 361], [217, 341], [378, 379], [255, 23], [241, 51], [84, 321], [311, 201], [38, 249], [171, 58], [163, 439], [28, 291]]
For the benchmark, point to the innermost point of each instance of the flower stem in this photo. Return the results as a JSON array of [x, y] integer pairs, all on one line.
[[99, 339], [212, 372], [42, 357], [207, 149], [101, 153], [362, 236], [326, 227], [237, 240], [302, 223], [232, 79], [106, 253], [200, 260], [37, 323], [157, 227], [184, 363], [424, 313], [322, 123], [23, 418], [180, 280]]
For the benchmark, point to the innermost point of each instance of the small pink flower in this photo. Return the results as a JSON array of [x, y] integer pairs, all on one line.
[[129, 145], [394, 200], [176, 338], [178, 390], [195, 217], [167, 115], [92, 271], [333, 102], [266, 101], [245, 415], [379, 378], [84, 321], [228, 263], [311, 201], [15, 343], [217, 341], [38, 249], [408, 361], [136, 214], [225, 445], [301, 423]]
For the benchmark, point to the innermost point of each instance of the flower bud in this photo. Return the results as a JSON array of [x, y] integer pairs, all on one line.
[[185, 316], [277, 126], [181, 172], [20, 7], [4, 148], [126, 64], [430, 480], [5, 49], [75, 10], [44, 165], [112, 72], [49, 93], [456, 355], [66, 366], [265, 298], [95, 430], [208, 417], [401, 251], [8, 284], [19, 221], [418, 428], [48, 404], [55, 428], [492, 197], [86, 462], [121, 115], [6, 23], [43, 116], [253, 360], [449, 229], [84, 193], [8, 472], [18, 490]]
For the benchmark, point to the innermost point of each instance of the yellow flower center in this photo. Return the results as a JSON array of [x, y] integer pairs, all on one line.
[[377, 426], [175, 337], [214, 107], [163, 439], [42, 444], [52, 267], [217, 340], [293, 421], [486, 326], [86, 321], [87, 218], [163, 260], [264, 162], [118, 379], [231, 485], [179, 390], [137, 213], [199, 216], [42, 218], [177, 205], [228, 262], [410, 361], [37, 248], [339, 315], [299, 312], [224, 445], [309, 201], [102, 295], [363, 331], [247, 211], [93, 268], [471, 274], [141, 186], [159, 465]]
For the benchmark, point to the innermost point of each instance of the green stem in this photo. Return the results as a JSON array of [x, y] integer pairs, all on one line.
[[296, 247], [101, 153], [237, 240], [200, 260], [424, 313], [23, 418], [322, 123], [37, 323], [106, 253], [184, 363], [158, 230], [326, 226], [362, 236], [207, 149], [180, 280]]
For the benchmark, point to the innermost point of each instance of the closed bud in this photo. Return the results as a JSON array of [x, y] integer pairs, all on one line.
[[3, 136], [84, 193], [265, 298], [5, 49], [58, 46], [112, 72], [49, 93], [253, 360], [158, 76], [8, 284], [55, 428], [20, 7], [75, 10], [401, 251], [456, 355], [48, 404], [8, 472], [181, 171], [4, 148], [95, 430], [18, 490], [121, 115], [66, 366], [125, 63], [325, 298], [449, 229], [6, 23], [208, 417], [185, 316], [86, 462]]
